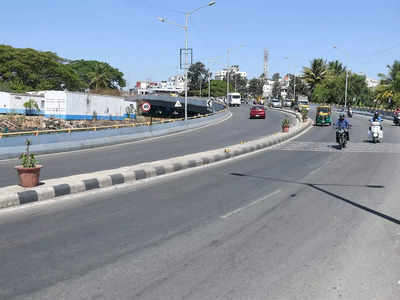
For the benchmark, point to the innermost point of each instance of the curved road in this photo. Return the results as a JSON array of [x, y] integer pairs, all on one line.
[[239, 127], [302, 220]]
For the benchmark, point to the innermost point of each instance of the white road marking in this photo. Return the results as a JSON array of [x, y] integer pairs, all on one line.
[[390, 148], [250, 204]]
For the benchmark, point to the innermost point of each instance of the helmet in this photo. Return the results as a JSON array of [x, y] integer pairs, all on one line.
[[376, 115], [341, 117]]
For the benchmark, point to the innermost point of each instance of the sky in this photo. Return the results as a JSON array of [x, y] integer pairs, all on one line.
[[363, 34]]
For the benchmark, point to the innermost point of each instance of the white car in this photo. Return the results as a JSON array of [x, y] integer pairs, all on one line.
[[275, 103]]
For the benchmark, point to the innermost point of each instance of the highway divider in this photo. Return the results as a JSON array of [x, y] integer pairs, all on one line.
[[53, 188], [66, 140]]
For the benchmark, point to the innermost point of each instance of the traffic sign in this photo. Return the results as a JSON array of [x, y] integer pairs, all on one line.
[[146, 106], [178, 104], [209, 103]]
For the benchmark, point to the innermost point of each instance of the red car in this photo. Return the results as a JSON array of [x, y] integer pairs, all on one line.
[[257, 111]]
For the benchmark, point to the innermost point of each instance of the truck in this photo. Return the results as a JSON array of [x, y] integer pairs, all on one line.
[[234, 99]]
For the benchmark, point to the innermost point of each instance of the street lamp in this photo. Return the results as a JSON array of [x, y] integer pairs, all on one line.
[[345, 91], [186, 28], [294, 82]]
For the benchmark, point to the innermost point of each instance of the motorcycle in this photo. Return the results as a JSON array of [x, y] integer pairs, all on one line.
[[375, 132], [396, 119], [341, 138], [350, 113]]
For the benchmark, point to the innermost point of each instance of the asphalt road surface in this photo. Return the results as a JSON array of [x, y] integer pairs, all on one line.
[[302, 220], [239, 127]]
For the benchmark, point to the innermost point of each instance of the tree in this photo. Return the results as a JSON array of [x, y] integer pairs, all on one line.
[[314, 74], [276, 87], [23, 70], [98, 75], [332, 89], [240, 84], [31, 106], [256, 87], [27, 69], [301, 87], [197, 75], [388, 91], [336, 68], [217, 88]]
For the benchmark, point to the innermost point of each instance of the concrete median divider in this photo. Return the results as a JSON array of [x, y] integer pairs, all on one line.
[[53, 188]]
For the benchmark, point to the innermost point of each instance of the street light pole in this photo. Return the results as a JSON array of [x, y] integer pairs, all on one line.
[[294, 87], [186, 28], [227, 77], [345, 93]]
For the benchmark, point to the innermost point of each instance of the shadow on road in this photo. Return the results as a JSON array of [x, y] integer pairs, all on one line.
[[317, 186]]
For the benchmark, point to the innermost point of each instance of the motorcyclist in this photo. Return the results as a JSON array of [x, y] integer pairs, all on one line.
[[342, 123], [376, 118]]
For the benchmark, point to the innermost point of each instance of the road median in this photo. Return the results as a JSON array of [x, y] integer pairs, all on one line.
[[50, 189]]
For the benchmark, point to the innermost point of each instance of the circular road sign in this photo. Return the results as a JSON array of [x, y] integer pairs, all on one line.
[[146, 106]]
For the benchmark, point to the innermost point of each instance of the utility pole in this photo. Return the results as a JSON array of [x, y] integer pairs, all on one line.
[[227, 77], [294, 87], [345, 92]]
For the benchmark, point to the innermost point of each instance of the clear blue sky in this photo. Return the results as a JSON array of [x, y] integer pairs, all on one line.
[[126, 33]]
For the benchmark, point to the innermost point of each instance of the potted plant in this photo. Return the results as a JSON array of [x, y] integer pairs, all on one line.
[[285, 125], [29, 170]]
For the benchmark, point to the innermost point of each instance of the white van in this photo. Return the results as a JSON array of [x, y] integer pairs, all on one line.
[[234, 99]]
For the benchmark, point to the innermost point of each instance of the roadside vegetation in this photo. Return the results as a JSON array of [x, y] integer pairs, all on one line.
[[23, 70]]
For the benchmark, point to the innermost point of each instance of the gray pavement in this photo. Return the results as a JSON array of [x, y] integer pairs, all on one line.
[[239, 127], [280, 224]]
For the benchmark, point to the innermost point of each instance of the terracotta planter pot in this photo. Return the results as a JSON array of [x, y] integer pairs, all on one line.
[[28, 177], [285, 129]]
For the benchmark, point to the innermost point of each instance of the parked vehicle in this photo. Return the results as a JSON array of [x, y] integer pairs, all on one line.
[[375, 132], [257, 111], [276, 103], [323, 115], [234, 99], [287, 103]]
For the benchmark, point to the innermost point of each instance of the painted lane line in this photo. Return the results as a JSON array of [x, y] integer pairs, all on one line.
[[250, 204]]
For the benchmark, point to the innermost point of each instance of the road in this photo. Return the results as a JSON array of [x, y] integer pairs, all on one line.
[[302, 220], [229, 132]]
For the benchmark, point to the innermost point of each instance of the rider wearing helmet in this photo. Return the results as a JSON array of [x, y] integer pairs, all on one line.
[[342, 123], [376, 117]]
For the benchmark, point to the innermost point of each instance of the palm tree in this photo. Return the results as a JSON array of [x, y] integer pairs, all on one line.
[[315, 73], [336, 67], [389, 87], [99, 78]]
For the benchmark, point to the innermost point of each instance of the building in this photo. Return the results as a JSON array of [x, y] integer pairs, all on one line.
[[372, 83], [233, 70], [174, 85]]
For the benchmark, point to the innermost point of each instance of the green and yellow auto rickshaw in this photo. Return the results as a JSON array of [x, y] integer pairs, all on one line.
[[323, 116]]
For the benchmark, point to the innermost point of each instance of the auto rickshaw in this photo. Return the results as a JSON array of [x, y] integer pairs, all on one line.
[[323, 116]]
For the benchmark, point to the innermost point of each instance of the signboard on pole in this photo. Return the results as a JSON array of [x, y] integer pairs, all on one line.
[[146, 106], [178, 104]]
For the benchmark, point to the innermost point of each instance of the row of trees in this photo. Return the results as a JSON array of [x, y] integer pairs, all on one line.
[[323, 81], [23, 70], [326, 83], [198, 81]]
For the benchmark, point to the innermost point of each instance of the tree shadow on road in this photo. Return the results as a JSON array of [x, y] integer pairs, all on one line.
[[317, 186]]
